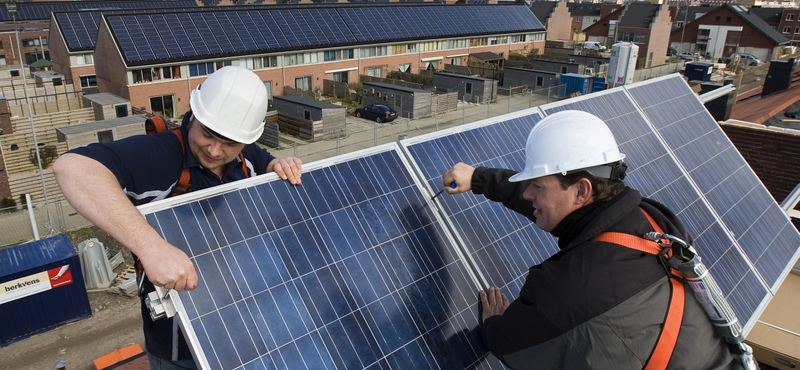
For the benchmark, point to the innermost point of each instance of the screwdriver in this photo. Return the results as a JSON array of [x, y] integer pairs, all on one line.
[[452, 186]]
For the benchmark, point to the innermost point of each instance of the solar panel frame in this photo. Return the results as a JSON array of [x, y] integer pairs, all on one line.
[[649, 158], [445, 335]]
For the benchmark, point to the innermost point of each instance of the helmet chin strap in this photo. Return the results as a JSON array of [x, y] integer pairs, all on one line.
[[614, 171]]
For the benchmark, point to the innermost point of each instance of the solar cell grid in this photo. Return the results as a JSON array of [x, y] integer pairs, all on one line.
[[656, 172], [350, 270], [502, 243], [762, 230]]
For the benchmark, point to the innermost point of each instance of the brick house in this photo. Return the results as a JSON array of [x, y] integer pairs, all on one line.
[[644, 24], [783, 20], [556, 18], [162, 84], [728, 29]]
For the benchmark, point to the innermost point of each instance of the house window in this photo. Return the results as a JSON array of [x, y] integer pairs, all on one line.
[[563, 69], [105, 136], [796, 32], [790, 17], [375, 71], [539, 81], [201, 69], [468, 88], [717, 18], [268, 85], [405, 68], [787, 29], [142, 75], [34, 42], [121, 110], [303, 83], [456, 61], [84, 59], [88, 81], [171, 72], [2, 60], [341, 76], [163, 105]]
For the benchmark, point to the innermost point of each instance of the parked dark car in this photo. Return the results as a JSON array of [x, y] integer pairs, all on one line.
[[377, 112]]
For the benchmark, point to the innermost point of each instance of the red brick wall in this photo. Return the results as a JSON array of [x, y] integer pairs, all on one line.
[[773, 154]]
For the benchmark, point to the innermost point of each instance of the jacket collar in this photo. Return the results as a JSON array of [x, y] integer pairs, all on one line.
[[595, 218]]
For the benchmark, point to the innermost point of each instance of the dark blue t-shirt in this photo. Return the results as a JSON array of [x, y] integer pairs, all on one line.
[[147, 167]]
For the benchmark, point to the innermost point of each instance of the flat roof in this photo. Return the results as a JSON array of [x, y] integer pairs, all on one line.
[[98, 125]]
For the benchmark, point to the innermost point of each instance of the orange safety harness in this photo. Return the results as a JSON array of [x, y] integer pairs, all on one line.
[[672, 324], [155, 125]]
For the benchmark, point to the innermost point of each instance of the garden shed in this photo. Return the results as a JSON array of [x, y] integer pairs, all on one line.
[[470, 88], [107, 106], [407, 101], [103, 131], [308, 118], [537, 80]]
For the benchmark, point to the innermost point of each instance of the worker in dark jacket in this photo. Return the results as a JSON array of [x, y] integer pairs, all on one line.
[[592, 305]]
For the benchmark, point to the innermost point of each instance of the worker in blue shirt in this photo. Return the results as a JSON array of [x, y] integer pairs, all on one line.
[[104, 183]]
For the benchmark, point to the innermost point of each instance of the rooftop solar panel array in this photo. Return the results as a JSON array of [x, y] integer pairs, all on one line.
[[262, 30], [351, 270], [357, 268], [31, 11]]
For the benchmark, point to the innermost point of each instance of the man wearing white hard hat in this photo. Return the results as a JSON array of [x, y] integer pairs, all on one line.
[[215, 145], [594, 304]]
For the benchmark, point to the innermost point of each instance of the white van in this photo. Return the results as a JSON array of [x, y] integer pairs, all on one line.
[[593, 45]]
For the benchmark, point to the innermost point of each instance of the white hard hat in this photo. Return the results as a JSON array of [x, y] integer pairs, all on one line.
[[568, 141], [232, 102]]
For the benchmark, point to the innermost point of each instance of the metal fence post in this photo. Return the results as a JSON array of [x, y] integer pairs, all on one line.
[[338, 133], [376, 133], [464, 114], [508, 105], [436, 117], [488, 114]]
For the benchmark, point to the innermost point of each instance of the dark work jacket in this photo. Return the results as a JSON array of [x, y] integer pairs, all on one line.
[[147, 167], [596, 305]]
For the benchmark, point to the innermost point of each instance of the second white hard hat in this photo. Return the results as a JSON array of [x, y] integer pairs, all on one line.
[[231, 102], [567, 141]]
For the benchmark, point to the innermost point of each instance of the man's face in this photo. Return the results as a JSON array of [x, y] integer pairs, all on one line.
[[552, 203], [210, 150]]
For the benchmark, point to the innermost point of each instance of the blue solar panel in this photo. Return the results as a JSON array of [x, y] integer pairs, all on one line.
[[762, 231], [351, 270], [29, 11], [503, 243], [672, 174], [245, 30]]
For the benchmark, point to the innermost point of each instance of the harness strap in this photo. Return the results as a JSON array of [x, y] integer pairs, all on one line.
[[665, 345], [185, 181]]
